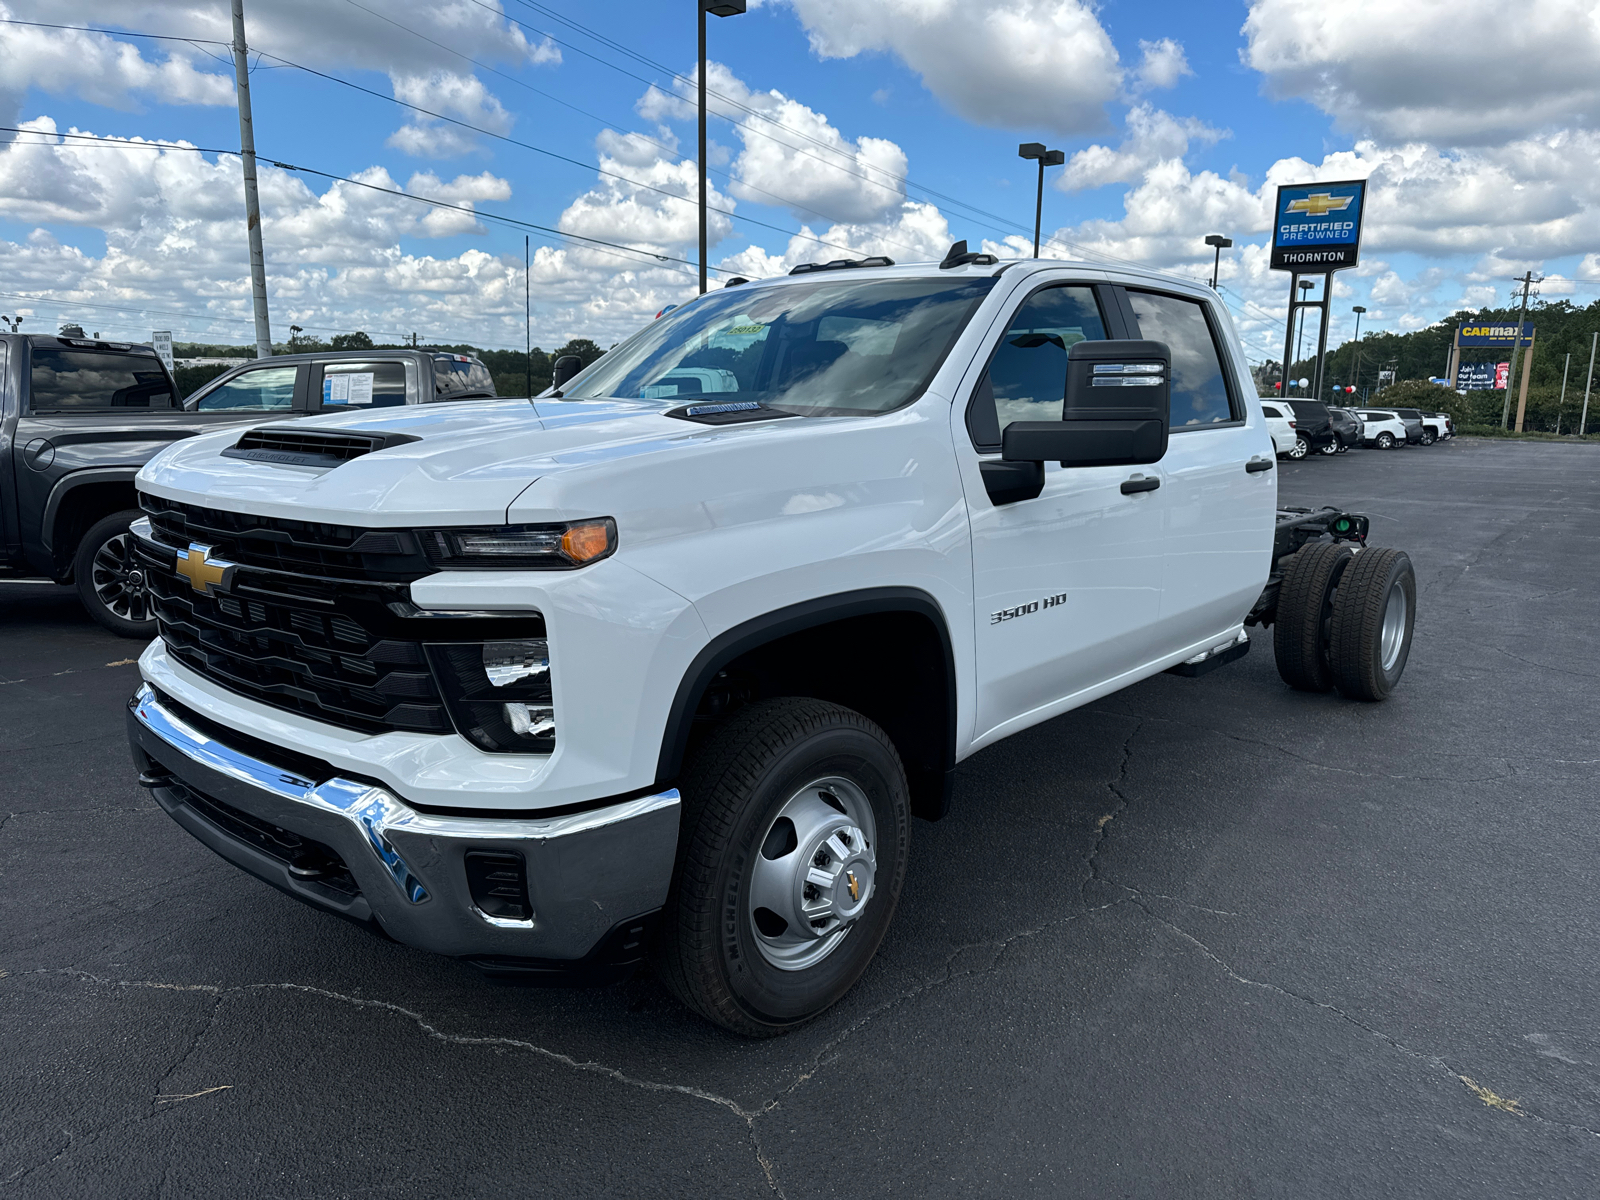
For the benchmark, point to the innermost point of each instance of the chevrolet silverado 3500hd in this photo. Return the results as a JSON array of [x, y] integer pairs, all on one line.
[[663, 662]]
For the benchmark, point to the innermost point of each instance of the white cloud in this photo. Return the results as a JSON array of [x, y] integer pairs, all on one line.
[[1462, 72], [399, 37], [1162, 65], [645, 200], [1037, 64], [173, 227], [793, 156], [1153, 136], [463, 97], [98, 69]]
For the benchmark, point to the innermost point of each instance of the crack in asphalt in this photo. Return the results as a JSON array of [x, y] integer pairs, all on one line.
[[1434, 1061], [126, 662], [220, 993], [1510, 768], [1543, 666], [824, 1056]]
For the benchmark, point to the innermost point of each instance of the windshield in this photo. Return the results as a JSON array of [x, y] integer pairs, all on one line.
[[840, 346]]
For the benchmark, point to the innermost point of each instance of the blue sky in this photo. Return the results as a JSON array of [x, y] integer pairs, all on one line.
[[1177, 119]]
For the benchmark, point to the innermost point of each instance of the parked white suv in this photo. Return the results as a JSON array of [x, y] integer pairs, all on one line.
[[1381, 428], [1280, 424], [665, 660]]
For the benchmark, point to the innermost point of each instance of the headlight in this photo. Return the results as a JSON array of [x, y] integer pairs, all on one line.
[[559, 547], [498, 693]]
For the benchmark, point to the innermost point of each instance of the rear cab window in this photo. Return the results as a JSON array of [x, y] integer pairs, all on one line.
[[69, 379], [377, 384], [456, 375], [1201, 395]]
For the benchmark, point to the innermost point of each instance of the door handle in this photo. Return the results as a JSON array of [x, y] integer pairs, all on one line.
[[1258, 464], [1139, 484]]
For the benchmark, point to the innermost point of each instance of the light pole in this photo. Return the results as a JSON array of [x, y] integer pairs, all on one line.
[[1305, 286], [1047, 158], [1221, 243], [717, 8], [1355, 374]]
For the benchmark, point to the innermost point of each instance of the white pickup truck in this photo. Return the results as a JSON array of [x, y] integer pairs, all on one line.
[[663, 662]]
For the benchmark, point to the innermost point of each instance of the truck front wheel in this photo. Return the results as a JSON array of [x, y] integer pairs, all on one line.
[[791, 855], [110, 581]]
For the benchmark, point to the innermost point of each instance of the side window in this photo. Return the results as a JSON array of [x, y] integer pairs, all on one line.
[[261, 389], [74, 380], [1199, 387], [1027, 378], [1268, 411], [363, 384]]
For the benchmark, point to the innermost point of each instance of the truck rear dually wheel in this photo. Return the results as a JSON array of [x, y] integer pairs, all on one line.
[[1374, 613], [791, 856], [1301, 629]]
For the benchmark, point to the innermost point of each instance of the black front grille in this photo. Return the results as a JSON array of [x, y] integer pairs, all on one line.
[[314, 548], [319, 663], [315, 618]]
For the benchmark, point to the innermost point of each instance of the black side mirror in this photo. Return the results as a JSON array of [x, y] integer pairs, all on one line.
[[1115, 412], [565, 368]]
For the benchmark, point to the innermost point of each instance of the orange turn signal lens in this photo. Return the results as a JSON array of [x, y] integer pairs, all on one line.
[[590, 540]]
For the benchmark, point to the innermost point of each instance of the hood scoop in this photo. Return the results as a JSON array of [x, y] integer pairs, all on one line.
[[293, 447], [735, 412]]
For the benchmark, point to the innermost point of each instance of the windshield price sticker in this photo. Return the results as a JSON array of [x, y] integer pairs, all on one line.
[[352, 388]]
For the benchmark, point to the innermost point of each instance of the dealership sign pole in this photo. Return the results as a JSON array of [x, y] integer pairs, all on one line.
[[1316, 230]]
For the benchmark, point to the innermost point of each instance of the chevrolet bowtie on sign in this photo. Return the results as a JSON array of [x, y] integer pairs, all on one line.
[[1318, 227], [204, 573]]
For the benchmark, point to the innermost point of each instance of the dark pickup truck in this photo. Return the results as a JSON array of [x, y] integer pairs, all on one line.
[[79, 417]]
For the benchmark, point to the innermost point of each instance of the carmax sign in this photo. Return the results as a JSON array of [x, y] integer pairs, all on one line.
[[1318, 226], [1485, 334]]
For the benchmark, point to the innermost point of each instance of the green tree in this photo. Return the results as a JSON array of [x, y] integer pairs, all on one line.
[[583, 348], [352, 341]]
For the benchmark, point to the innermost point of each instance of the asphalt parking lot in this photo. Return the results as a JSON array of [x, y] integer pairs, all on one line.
[[1204, 938]]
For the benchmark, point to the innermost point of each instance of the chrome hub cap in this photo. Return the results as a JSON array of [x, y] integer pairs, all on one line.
[[1394, 626], [118, 584], [814, 875]]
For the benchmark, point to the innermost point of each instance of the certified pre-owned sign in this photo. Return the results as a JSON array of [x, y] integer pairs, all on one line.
[[1318, 226]]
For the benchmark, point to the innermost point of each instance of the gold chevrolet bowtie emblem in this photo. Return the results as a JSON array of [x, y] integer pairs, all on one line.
[[204, 573], [855, 885], [1320, 204]]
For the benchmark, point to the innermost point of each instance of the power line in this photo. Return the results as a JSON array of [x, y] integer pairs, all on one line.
[[1076, 248], [662, 146], [476, 129], [123, 143]]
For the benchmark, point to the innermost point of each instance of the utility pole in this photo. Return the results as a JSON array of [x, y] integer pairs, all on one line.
[[1583, 426], [1527, 282], [721, 8], [1355, 371], [527, 310], [252, 197], [1562, 403]]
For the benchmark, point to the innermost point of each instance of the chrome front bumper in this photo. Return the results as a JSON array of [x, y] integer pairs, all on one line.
[[589, 874]]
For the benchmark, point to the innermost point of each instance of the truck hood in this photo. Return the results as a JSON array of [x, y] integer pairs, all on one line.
[[471, 460]]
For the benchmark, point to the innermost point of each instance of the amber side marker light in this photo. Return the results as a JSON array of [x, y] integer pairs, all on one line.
[[589, 540]]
